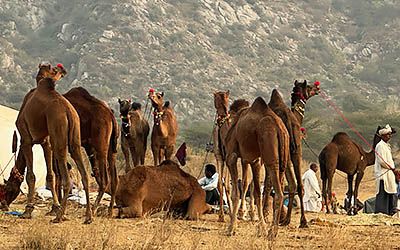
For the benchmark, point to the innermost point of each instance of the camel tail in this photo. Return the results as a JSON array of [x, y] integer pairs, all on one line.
[[114, 135], [283, 141]]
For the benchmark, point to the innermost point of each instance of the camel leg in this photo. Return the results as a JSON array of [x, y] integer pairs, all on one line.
[[256, 169], [30, 179], [169, 151], [329, 194], [227, 186], [125, 151], [61, 160], [220, 167], [50, 178], [349, 193], [77, 156], [134, 154], [266, 194], [292, 189], [245, 187], [156, 154], [232, 165], [296, 160], [278, 198], [102, 181], [197, 207], [133, 211], [114, 179], [355, 193], [251, 203]]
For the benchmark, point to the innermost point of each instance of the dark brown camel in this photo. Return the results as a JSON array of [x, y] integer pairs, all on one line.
[[222, 124], [47, 118], [258, 133], [343, 154], [134, 133], [165, 128], [147, 189], [293, 118], [99, 137]]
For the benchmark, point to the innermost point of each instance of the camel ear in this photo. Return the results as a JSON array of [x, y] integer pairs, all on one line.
[[119, 101], [162, 94], [296, 83], [40, 65], [167, 104], [227, 92], [304, 84]]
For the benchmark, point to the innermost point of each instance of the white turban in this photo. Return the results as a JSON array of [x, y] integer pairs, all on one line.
[[386, 130]]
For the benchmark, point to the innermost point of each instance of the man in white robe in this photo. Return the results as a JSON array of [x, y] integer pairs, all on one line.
[[210, 183], [386, 186], [312, 193]]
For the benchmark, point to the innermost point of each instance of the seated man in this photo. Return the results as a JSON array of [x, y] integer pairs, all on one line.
[[209, 184], [312, 193]]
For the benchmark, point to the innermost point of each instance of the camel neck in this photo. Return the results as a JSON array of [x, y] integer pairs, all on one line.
[[46, 84], [298, 108]]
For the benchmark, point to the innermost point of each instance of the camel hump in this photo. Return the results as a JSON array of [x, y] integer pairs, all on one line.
[[340, 136], [259, 105], [238, 105], [167, 104], [80, 91], [136, 106], [276, 98]]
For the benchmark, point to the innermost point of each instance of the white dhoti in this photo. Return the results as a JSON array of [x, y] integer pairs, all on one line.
[[312, 199]]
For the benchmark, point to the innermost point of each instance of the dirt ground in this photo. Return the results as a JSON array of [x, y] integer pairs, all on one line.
[[325, 231]]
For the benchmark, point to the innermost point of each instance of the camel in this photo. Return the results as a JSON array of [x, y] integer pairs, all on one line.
[[147, 189], [99, 136], [222, 124], [134, 133], [165, 128], [47, 118], [258, 133], [343, 154], [13, 184], [293, 118]]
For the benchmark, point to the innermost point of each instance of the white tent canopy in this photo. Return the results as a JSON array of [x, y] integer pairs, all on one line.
[[8, 117]]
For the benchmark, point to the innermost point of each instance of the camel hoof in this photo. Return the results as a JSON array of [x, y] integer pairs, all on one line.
[[221, 219], [303, 225], [285, 222], [26, 215], [272, 234], [54, 210], [231, 231], [88, 221]]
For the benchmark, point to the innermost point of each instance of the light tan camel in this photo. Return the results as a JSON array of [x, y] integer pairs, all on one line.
[[293, 120], [47, 118], [258, 133], [165, 128], [99, 137], [222, 124], [14, 182], [344, 154], [147, 189], [134, 135]]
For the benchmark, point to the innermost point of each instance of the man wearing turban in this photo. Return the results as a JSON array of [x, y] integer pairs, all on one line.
[[386, 185]]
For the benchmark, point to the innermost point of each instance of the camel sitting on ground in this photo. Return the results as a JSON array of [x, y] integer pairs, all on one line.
[[135, 132], [48, 118], [165, 128], [293, 119], [258, 133], [99, 137], [343, 154], [147, 189]]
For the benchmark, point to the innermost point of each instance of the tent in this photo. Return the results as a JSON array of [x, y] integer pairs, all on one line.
[[8, 117]]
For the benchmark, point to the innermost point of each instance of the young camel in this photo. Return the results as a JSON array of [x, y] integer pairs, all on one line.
[[47, 118], [165, 128], [134, 137], [223, 122], [258, 133]]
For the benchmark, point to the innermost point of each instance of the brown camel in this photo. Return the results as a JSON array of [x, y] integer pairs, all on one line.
[[165, 128], [343, 154], [99, 137], [147, 189], [134, 133], [258, 133], [12, 187], [222, 124], [293, 120], [47, 118]]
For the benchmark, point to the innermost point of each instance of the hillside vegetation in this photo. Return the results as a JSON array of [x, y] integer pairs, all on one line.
[[190, 48]]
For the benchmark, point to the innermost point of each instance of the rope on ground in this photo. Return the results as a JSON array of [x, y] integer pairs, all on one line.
[[8, 163]]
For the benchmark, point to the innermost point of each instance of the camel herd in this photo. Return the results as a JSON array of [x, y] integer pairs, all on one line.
[[260, 134]]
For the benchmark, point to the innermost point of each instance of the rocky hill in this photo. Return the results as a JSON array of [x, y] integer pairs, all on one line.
[[190, 48]]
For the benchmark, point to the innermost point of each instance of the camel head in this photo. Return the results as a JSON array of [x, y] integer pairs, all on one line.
[[221, 103], [124, 106], [303, 91], [157, 100], [45, 70], [59, 72]]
